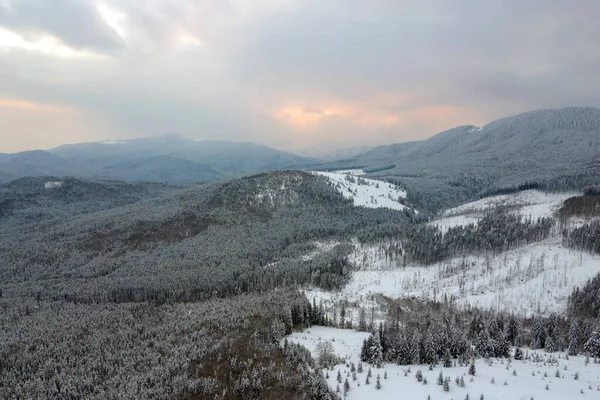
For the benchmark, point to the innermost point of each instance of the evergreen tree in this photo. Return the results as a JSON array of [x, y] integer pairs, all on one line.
[[375, 351], [518, 354], [440, 379], [419, 376], [472, 369], [538, 334], [429, 350], [447, 360], [378, 383], [574, 338], [512, 331]]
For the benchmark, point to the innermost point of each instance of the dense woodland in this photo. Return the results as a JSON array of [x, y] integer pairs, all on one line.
[[221, 239], [495, 232], [221, 349], [151, 292]]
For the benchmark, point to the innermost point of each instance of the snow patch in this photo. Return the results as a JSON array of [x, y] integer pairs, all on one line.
[[524, 379], [528, 203], [355, 172], [52, 185], [537, 278], [367, 192]]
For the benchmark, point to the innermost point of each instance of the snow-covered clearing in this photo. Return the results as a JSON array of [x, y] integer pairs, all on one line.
[[321, 247], [537, 278], [355, 172], [52, 185], [499, 379], [367, 192], [528, 203]]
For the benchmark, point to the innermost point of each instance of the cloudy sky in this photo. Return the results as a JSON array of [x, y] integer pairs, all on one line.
[[300, 75]]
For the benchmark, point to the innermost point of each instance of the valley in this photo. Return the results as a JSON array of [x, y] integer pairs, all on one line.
[[233, 288]]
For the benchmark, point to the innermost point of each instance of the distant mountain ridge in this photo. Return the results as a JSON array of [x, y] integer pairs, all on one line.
[[551, 149], [166, 159]]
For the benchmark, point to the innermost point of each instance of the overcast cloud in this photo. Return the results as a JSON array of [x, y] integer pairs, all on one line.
[[296, 75]]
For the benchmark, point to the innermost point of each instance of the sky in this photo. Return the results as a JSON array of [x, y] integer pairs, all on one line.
[[307, 76]]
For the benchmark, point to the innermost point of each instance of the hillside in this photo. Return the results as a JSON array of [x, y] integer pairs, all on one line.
[[243, 235], [37, 163], [164, 169], [527, 150], [33, 200]]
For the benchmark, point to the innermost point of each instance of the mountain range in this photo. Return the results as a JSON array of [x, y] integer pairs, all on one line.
[[547, 149], [167, 159], [550, 149]]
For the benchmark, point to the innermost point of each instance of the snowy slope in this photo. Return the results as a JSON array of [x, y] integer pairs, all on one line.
[[366, 192], [525, 379], [528, 203], [535, 278]]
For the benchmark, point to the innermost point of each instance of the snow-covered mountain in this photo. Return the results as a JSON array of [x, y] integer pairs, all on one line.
[[545, 148], [168, 158], [528, 280]]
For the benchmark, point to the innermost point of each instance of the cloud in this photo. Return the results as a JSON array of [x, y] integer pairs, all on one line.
[[299, 74], [77, 23]]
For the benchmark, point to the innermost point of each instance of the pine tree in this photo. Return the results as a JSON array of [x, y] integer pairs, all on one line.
[[447, 360], [472, 369], [419, 376], [376, 351], [346, 387], [364, 351], [518, 354], [538, 334], [574, 338], [429, 350], [446, 385], [440, 379], [360, 368], [362, 320], [339, 376], [378, 383], [512, 331]]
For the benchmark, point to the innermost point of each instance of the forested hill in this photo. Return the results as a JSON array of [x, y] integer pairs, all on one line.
[[33, 199], [546, 149], [218, 239]]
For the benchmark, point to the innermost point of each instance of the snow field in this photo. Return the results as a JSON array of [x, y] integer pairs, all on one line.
[[524, 379], [371, 193], [528, 203], [534, 279]]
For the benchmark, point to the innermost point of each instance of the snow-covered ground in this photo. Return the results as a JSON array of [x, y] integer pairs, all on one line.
[[537, 278], [528, 203], [355, 172], [366, 192], [499, 379]]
